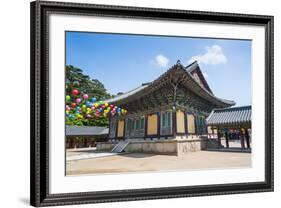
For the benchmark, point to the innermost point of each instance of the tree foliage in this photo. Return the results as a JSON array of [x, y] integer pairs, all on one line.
[[76, 79]]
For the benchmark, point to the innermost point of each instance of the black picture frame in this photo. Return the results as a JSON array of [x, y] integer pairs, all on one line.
[[39, 187]]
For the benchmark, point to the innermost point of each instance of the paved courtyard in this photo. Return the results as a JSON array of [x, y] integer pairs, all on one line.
[[86, 153], [88, 161]]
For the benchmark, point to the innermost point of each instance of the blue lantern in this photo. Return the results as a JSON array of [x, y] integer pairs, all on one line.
[[94, 99]]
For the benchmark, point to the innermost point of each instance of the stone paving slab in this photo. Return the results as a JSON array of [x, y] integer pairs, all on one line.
[[86, 155], [141, 162]]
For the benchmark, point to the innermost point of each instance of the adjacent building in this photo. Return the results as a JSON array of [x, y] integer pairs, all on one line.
[[84, 136], [231, 124]]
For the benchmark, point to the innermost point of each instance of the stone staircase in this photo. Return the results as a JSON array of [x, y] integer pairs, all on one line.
[[120, 146]]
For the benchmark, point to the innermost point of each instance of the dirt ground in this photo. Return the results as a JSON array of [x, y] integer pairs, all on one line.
[[140, 162]]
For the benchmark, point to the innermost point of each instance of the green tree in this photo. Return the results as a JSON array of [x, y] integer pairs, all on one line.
[[76, 79]]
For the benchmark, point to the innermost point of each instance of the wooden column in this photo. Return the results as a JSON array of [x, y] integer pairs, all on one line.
[[185, 122], [226, 139], [145, 125], [85, 142], [158, 124], [174, 123], [242, 140], [109, 125], [236, 135], [205, 125], [72, 142], [247, 138], [124, 129], [195, 124], [116, 128], [75, 143], [219, 138]]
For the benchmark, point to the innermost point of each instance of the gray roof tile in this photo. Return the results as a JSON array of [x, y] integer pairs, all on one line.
[[227, 116], [192, 83], [85, 130]]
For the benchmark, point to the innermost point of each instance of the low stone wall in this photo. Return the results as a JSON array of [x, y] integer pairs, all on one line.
[[153, 146], [179, 145], [106, 146], [190, 145]]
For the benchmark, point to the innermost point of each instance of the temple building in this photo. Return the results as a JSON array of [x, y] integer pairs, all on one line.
[[231, 123], [167, 115]]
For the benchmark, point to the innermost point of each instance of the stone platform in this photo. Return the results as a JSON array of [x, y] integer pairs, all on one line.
[[177, 146]]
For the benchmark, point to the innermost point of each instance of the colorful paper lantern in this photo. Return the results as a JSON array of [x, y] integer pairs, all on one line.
[[78, 100], [67, 98], [75, 92], [85, 96]]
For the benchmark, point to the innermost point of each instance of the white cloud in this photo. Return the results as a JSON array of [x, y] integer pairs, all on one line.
[[161, 60], [214, 55]]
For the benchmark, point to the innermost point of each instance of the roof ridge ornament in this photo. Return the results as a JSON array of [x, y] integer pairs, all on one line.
[[178, 62]]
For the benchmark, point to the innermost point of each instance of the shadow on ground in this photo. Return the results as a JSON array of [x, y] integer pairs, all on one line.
[[140, 155], [91, 151], [230, 149]]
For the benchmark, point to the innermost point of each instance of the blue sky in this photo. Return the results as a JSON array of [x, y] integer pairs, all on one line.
[[123, 62]]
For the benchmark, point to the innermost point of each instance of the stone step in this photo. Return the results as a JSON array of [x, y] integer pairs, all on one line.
[[120, 146]]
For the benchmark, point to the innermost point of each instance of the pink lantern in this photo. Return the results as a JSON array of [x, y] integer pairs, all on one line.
[[67, 108], [78, 100], [85, 96]]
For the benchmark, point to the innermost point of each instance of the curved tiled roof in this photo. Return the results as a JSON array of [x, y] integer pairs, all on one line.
[[194, 68], [127, 94], [208, 95], [230, 116], [85, 130], [190, 83]]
